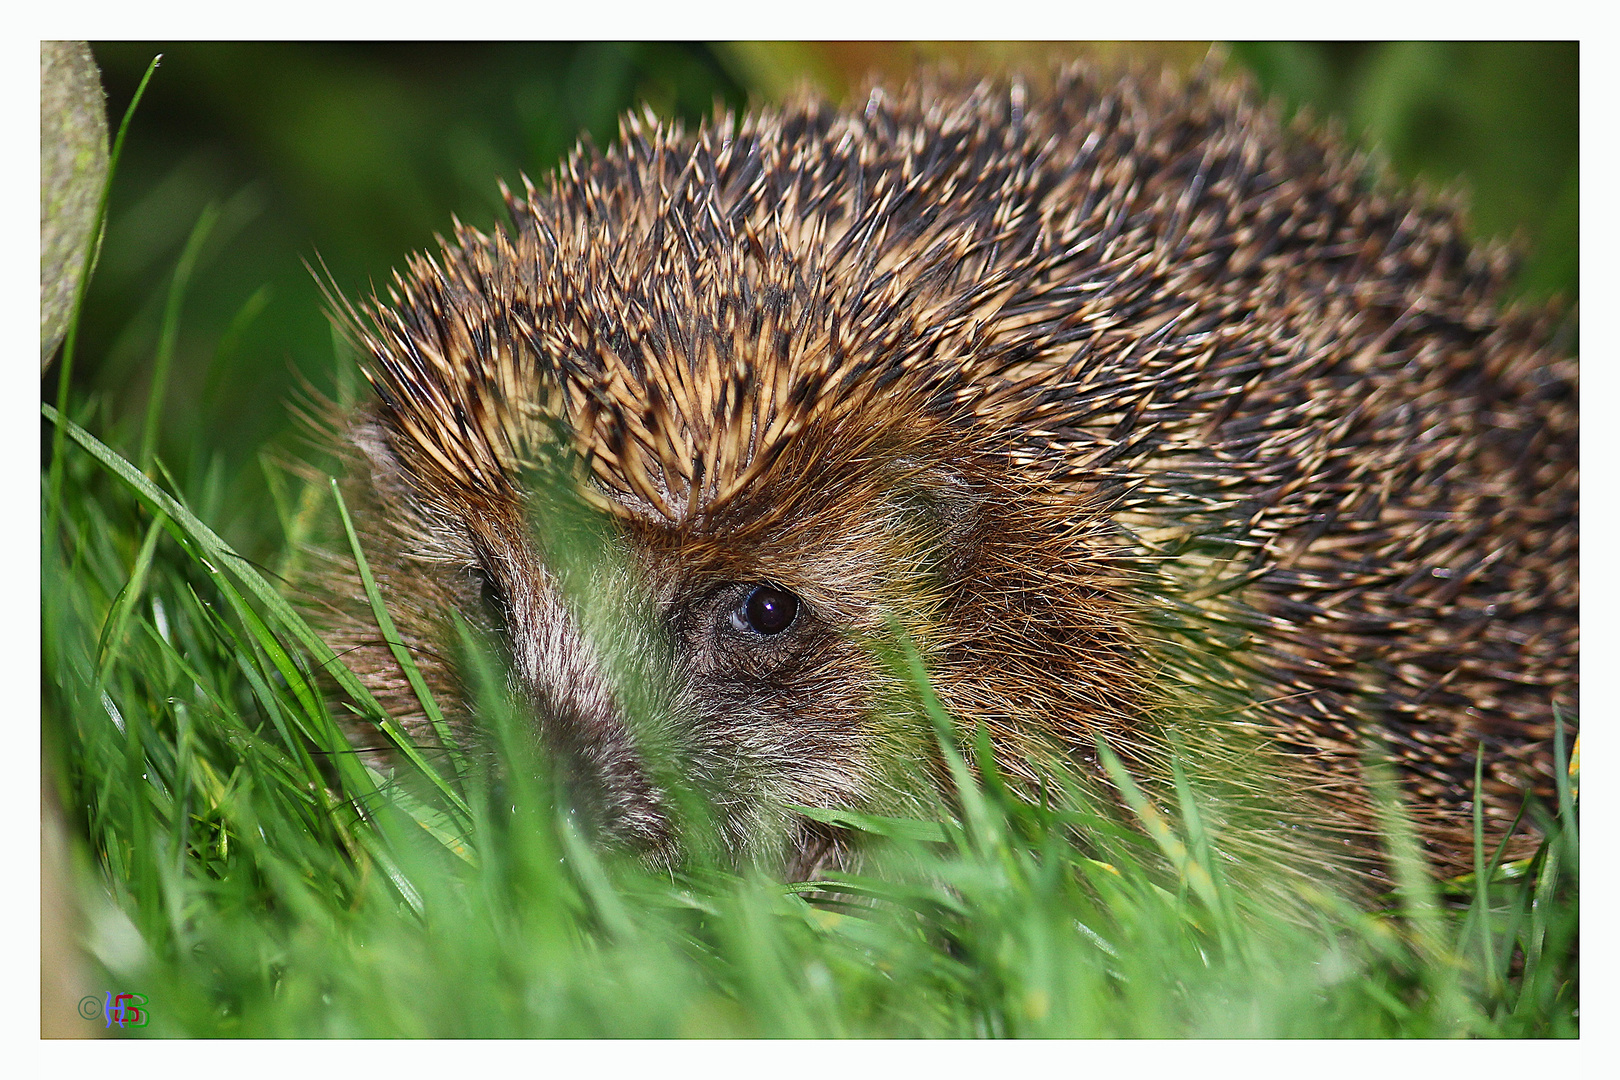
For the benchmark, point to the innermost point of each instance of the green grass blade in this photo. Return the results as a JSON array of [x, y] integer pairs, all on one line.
[[1482, 881], [402, 655], [112, 634], [1566, 792], [975, 812], [895, 828], [1188, 869], [170, 331]]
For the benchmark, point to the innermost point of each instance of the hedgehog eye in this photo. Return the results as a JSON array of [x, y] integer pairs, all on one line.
[[766, 610]]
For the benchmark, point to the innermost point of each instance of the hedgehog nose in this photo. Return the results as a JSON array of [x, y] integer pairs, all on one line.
[[581, 720], [601, 775]]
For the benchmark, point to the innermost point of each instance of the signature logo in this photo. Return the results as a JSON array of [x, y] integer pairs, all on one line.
[[125, 1010]]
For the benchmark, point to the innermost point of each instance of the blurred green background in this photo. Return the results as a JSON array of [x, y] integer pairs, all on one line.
[[357, 154]]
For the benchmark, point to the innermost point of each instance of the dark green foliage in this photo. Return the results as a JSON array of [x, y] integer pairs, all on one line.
[[1499, 119]]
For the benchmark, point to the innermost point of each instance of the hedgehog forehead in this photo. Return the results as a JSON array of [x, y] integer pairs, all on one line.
[[681, 393], [680, 403], [671, 399], [683, 310]]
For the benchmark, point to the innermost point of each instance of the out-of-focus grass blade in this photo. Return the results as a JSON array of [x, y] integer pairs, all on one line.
[[872, 888], [385, 623], [112, 631], [1187, 868], [895, 828], [1482, 880], [1566, 792], [975, 813], [170, 331]]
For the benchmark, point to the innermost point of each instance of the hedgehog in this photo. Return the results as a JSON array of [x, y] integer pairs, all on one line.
[[1139, 417]]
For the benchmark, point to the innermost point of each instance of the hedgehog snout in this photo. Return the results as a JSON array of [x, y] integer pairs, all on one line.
[[576, 668]]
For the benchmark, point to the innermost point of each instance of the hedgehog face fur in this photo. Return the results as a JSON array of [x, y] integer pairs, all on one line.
[[1123, 404]]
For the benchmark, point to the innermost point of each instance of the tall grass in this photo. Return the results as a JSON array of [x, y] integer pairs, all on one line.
[[253, 877]]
